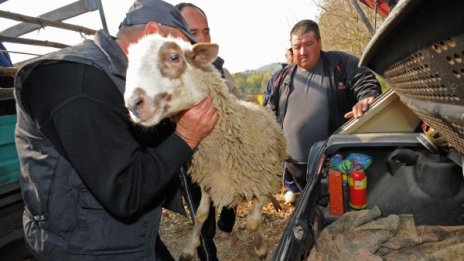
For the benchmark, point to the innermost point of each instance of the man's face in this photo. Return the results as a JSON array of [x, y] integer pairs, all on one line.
[[306, 50], [197, 23], [289, 55]]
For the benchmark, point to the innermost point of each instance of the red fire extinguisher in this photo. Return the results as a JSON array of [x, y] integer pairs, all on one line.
[[358, 184]]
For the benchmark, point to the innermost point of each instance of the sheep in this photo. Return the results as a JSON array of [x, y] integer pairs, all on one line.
[[240, 160]]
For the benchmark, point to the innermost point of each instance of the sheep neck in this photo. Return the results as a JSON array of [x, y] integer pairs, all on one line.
[[223, 99]]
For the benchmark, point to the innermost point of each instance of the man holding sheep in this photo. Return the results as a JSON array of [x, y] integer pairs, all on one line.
[[94, 183]]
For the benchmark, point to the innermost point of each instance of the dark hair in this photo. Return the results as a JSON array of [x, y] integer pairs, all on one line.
[[181, 6], [305, 26]]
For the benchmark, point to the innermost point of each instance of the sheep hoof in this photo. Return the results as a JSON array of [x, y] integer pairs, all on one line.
[[260, 247], [186, 257], [261, 253]]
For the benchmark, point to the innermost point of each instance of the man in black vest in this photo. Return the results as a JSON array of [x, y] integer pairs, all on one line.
[[320, 92], [92, 181]]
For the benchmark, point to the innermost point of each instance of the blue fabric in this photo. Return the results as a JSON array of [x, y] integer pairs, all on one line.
[[271, 82], [289, 183], [5, 59]]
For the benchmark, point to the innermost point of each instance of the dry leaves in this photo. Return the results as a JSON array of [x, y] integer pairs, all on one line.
[[175, 231]]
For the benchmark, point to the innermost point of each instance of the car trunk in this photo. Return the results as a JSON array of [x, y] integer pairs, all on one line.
[[404, 177], [414, 133]]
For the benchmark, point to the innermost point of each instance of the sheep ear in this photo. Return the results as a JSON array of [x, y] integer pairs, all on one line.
[[204, 54]]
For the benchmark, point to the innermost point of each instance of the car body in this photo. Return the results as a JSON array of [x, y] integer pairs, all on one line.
[[419, 52]]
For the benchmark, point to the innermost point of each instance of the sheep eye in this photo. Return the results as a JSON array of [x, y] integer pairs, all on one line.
[[174, 57]]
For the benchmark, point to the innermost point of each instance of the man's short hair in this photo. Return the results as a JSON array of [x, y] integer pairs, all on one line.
[[305, 26], [182, 5]]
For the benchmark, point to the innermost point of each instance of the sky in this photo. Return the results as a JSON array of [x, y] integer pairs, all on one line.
[[250, 33]]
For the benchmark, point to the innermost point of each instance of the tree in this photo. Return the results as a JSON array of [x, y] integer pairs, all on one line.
[[240, 81], [342, 28]]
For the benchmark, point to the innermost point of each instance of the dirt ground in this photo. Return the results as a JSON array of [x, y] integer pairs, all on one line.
[[176, 229], [237, 246]]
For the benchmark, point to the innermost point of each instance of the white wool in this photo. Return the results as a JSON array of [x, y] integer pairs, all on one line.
[[240, 160]]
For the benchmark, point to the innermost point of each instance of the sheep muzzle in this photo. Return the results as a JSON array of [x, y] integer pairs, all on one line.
[[148, 110]]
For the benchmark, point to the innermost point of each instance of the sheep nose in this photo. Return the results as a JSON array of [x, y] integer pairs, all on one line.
[[135, 106], [135, 111]]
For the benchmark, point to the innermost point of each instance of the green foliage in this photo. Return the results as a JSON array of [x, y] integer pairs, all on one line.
[[383, 84], [252, 83]]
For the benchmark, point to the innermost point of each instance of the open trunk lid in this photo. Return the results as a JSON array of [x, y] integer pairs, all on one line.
[[419, 51]]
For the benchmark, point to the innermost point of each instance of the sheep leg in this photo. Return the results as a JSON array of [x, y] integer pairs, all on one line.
[[254, 223], [189, 251]]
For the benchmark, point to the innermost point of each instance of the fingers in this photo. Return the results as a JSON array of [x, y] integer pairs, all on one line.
[[197, 122], [348, 115], [204, 111], [359, 108], [207, 104]]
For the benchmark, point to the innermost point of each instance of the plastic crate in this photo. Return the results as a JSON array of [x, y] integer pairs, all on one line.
[[9, 162]]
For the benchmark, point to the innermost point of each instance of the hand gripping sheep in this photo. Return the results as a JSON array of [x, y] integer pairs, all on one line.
[[240, 160]]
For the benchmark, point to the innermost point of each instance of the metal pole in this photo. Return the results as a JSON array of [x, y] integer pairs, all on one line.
[[45, 22], [363, 16], [102, 15]]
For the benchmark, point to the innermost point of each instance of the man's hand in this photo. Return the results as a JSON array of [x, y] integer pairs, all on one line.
[[197, 122], [359, 108]]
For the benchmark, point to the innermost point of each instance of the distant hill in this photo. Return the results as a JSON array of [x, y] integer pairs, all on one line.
[[266, 68]]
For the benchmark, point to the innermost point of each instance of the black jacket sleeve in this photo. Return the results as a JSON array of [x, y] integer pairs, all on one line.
[[361, 81], [81, 112], [350, 84]]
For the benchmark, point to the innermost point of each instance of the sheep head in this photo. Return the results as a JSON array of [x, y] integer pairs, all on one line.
[[160, 79]]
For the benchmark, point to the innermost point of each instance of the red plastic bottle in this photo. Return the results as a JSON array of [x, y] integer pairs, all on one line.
[[357, 181], [335, 193]]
